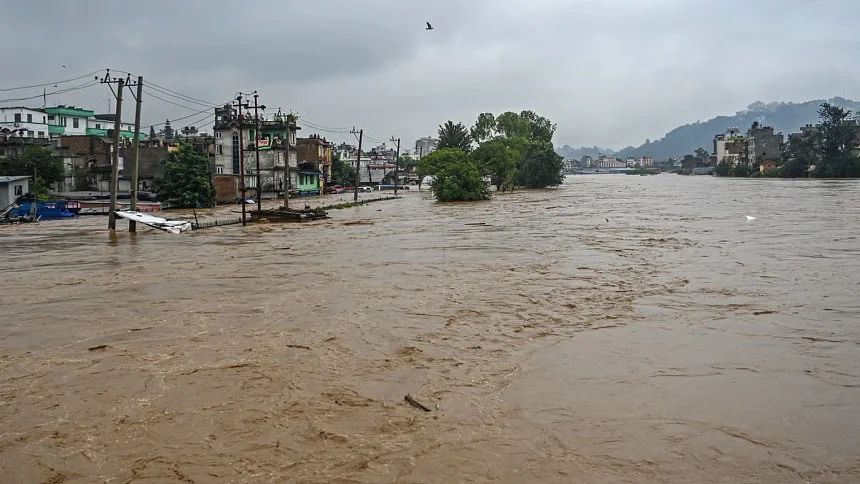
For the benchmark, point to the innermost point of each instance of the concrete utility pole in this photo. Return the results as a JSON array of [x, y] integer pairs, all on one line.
[[257, 150], [114, 187], [287, 177], [132, 225], [396, 163], [357, 162], [242, 158]]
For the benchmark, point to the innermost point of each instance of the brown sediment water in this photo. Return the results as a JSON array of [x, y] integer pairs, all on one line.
[[675, 342]]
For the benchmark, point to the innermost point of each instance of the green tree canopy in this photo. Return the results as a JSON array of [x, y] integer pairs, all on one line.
[[540, 166], [430, 164], [40, 160], [460, 181], [838, 138], [494, 159], [484, 128], [186, 179], [342, 172], [703, 154], [454, 136]]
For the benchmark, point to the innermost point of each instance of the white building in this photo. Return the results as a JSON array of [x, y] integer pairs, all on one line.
[[425, 145], [12, 187], [24, 122]]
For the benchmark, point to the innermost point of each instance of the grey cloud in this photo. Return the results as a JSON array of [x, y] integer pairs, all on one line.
[[611, 73]]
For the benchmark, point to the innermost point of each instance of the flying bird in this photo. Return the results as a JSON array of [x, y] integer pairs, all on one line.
[[429, 27]]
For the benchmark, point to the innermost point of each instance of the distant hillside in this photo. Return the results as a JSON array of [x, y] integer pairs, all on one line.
[[570, 152], [784, 117]]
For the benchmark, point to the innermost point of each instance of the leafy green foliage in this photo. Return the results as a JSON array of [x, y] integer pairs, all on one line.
[[838, 138], [460, 181], [431, 164], [703, 154], [454, 136], [186, 179], [800, 153], [39, 159], [342, 172], [484, 128], [541, 166], [494, 159]]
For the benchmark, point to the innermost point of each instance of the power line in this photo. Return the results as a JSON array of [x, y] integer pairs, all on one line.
[[61, 91], [91, 74], [149, 93], [173, 94], [179, 94]]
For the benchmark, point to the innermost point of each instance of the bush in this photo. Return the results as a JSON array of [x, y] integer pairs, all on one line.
[[460, 181]]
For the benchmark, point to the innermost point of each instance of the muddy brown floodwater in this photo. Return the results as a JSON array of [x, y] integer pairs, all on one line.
[[616, 329]]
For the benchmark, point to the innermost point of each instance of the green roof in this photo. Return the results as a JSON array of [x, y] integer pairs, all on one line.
[[70, 111]]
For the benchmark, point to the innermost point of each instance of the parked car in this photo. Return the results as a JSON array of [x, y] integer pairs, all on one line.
[[365, 189], [335, 189]]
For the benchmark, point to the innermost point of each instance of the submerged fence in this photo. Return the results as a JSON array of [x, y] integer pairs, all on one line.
[[238, 220]]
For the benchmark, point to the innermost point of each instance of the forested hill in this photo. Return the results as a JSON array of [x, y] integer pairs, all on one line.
[[784, 117]]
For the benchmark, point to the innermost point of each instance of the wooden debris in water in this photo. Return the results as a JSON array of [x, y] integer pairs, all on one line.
[[416, 403]]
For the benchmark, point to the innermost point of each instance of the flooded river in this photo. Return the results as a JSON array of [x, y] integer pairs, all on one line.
[[616, 329]]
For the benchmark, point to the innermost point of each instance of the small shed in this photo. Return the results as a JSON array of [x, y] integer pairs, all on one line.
[[12, 187]]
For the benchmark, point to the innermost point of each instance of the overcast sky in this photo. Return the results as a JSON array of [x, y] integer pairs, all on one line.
[[609, 72]]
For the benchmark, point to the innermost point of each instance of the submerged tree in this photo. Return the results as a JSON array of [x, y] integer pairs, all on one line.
[[494, 159]]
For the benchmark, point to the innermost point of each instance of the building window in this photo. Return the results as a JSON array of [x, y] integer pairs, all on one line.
[[41, 134], [65, 121], [218, 135], [19, 190], [219, 150], [31, 134], [17, 117], [44, 121], [98, 126], [50, 117], [29, 118], [74, 122], [235, 153], [219, 170]]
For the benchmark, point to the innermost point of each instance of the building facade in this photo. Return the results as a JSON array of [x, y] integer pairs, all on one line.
[[24, 122], [763, 144], [425, 146], [238, 141]]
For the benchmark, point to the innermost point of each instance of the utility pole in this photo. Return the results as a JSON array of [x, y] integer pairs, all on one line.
[[357, 162], [257, 150], [287, 164], [242, 157], [114, 186], [132, 225], [396, 163]]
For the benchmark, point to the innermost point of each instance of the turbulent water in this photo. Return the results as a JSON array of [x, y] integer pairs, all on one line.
[[616, 329]]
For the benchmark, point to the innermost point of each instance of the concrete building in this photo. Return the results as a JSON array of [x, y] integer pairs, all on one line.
[[425, 146], [236, 139], [12, 187], [24, 122], [763, 144], [68, 120], [314, 153], [730, 145]]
